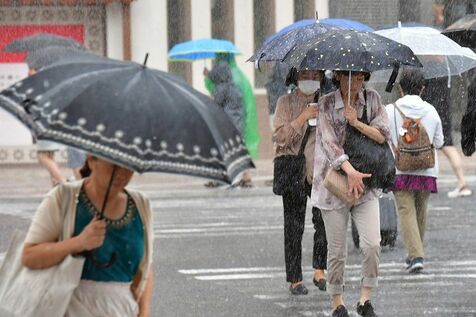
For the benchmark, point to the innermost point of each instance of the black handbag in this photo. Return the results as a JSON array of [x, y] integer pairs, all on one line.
[[289, 171], [370, 157]]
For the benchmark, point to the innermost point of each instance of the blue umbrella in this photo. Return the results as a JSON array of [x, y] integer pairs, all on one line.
[[342, 23], [201, 49]]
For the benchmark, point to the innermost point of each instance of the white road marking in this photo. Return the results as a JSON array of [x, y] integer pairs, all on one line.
[[438, 265]]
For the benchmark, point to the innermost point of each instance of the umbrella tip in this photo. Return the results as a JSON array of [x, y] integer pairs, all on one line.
[[145, 59]]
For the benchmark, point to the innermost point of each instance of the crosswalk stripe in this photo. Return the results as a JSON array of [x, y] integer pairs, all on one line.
[[436, 264]]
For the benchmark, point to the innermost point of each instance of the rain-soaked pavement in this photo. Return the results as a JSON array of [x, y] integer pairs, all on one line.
[[220, 252]]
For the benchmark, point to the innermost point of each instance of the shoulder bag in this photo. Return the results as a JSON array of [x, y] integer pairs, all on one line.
[[37, 293], [289, 171], [370, 157]]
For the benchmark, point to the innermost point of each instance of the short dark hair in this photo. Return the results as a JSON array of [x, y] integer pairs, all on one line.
[[336, 83], [412, 81]]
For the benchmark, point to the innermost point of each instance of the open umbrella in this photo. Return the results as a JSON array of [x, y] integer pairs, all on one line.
[[201, 49], [463, 31], [439, 55], [47, 56], [140, 118], [277, 48], [350, 50], [342, 23], [39, 41]]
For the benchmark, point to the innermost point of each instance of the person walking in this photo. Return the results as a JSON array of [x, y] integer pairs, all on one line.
[[413, 187], [291, 121], [468, 122], [251, 135], [437, 94], [228, 97], [335, 113], [45, 150], [123, 287]]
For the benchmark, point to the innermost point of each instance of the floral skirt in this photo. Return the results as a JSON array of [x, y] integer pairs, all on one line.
[[102, 299]]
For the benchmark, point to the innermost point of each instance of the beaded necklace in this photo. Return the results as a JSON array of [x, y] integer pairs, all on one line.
[[114, 223]]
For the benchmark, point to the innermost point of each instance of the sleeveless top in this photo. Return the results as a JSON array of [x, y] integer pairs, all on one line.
[[124, 237]]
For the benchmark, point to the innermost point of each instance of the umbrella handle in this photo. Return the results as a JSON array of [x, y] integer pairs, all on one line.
[[393, 77]]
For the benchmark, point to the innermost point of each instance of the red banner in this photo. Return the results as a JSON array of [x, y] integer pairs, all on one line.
[[12, 32], [55, 2]]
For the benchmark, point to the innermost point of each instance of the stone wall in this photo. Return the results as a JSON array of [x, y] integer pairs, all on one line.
[[374, 13]]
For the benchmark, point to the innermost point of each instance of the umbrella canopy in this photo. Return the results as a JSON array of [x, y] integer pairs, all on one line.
[[277, 48], [39, 41], [44, 57], [139, 118], [439, 55], [201, 49], [342, 23], [463, 31], [351, 50]]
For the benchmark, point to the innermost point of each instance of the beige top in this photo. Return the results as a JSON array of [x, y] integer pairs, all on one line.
[[329, 150], [51, 224], [288, 135]]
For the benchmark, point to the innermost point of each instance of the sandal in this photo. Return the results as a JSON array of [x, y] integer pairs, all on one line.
[[321, 284], [299, 289]]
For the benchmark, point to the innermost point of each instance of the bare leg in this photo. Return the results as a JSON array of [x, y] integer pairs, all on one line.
[[47, 160], [319, 275], [337, 300], [365, 294], [455, 160]]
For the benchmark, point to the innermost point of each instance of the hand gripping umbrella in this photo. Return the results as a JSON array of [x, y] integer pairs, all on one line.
[[143, 119]]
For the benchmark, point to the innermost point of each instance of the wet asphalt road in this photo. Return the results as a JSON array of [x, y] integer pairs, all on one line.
[[220, 253]]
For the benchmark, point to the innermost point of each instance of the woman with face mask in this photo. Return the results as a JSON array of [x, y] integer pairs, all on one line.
[[295, 113], [362, 109]]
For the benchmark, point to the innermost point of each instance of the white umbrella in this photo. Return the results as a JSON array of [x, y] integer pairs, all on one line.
[[439, 55]]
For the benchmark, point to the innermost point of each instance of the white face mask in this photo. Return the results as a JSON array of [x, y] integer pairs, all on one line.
[[308, 87]]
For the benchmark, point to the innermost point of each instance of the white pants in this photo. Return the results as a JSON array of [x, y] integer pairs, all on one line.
[[102, 299], [367, 220]]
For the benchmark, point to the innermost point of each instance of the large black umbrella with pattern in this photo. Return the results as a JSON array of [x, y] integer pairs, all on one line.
[[137, 117]]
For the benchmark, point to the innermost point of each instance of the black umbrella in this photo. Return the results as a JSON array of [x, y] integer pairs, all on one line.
[[139, 118], [463, 31], [351, 50], [39, 41], [45, 57]]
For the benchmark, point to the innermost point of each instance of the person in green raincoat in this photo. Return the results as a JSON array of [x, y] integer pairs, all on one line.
[[250, 132]]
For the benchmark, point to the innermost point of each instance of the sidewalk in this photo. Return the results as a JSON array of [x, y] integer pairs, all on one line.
[[32, 180]]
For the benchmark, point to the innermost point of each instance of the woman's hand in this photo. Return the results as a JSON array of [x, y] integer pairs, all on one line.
[[355, 182], [93, 235], [351, 115], [308, 113]]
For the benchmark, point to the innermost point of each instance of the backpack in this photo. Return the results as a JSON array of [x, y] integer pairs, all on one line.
[[414, 150]]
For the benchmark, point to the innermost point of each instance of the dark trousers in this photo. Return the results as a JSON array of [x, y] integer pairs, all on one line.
[[294, 221]]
